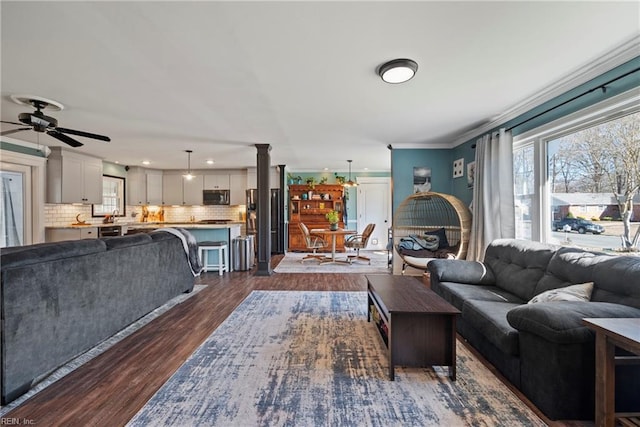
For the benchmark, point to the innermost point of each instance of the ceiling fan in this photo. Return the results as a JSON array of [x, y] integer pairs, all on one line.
[[39, 122]]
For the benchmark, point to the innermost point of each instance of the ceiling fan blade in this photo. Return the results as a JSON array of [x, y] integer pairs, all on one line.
[[85, 134], [12, 123], [9, 132], [64, 138]]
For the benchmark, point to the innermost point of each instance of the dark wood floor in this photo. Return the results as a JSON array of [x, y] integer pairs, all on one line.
[[112, 387]]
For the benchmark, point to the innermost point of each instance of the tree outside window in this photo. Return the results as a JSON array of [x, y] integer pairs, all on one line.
[[595, 173]]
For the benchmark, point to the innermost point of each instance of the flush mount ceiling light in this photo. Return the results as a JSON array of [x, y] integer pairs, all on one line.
[[398, 70], [188, 176], [350, 183]]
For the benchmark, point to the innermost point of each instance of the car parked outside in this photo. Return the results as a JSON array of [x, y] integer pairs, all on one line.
[[580, 225]]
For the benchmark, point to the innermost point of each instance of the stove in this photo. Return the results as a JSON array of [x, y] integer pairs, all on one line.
[[215, 221]]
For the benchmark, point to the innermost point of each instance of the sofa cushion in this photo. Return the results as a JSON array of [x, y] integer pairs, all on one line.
[[457, 293], [581, 292], [569, 266], [44, 252], [490, 318], [518, 265], [561, 322], [617, 280]]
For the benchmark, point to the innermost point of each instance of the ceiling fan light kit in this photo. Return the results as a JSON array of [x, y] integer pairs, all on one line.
[[398, 70], [42, 123]]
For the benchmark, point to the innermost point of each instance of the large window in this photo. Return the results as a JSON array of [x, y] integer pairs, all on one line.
[[577, 180]]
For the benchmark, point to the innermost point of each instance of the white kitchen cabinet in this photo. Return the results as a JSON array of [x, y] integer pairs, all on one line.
[[136, 186], [172, 189], [192, 190], [238, 189], [216, 182], [178, 191], [154, 187], [62, 234], [73, 177], [144, 186]]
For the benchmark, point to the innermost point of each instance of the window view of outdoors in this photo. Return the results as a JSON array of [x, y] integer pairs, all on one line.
[[594, 180], [524, 181]]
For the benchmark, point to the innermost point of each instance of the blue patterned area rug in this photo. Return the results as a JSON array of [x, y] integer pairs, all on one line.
[[312, 359]]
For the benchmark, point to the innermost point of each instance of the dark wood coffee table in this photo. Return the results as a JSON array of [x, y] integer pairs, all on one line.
[[416, 324]]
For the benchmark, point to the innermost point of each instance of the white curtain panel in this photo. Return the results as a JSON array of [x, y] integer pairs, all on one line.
[[493, 200]]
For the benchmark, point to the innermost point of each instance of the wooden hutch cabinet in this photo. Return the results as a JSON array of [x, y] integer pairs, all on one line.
[[310, 206]]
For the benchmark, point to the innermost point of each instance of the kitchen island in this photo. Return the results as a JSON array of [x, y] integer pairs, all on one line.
[[202, 232], [221, 232]]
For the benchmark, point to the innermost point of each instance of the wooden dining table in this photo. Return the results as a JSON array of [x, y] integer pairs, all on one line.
[[333, 233]]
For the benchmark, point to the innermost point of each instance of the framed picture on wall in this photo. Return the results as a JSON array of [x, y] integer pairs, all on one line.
[[421, 179], [471, 174]]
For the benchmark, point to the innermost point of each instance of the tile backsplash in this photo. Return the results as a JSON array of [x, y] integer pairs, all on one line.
[[62, 215]]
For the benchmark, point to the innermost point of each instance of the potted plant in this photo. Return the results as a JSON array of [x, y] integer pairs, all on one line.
[[340, 179], [333, 217], [291, 179], [311, 182]]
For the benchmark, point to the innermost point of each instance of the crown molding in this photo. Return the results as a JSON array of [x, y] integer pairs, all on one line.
[[625, 52]]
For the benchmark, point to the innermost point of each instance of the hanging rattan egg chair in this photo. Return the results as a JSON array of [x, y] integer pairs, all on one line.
[[431, 214]]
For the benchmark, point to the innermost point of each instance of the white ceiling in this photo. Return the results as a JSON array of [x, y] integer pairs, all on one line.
[[219, 77]]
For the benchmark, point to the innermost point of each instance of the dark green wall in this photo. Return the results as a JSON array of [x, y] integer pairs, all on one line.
[[403, 160], [20, 149]]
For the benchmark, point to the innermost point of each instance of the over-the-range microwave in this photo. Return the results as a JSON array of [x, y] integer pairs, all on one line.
[[215, 197]]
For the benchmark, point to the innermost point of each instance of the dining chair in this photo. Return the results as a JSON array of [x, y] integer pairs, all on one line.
[[359, 241], [312, 242]]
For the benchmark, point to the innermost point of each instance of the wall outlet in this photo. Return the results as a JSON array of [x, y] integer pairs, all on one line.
[[458, 168]]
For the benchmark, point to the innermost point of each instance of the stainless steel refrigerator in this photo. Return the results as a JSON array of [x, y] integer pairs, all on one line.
[[277, 218]]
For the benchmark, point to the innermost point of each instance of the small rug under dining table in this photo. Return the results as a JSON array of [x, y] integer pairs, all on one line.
[[292, 263]]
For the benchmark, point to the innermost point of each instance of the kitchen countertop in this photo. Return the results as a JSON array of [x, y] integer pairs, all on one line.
[[154, 225], [183, 225]]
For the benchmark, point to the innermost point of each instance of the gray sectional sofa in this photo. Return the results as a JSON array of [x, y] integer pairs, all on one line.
[[61, 299], [543, 348]]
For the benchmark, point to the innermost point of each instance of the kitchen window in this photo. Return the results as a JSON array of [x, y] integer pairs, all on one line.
[[113, 197]]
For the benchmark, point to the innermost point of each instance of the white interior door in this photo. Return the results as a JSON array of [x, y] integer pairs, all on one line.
[[374, 206], [15, 221]]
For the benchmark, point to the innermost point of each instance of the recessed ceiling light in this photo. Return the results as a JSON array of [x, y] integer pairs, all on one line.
[[146, 162], [398, 70], [210, 162], [117, 162], [326, 169]]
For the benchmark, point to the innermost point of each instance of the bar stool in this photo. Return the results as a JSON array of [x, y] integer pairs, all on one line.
[[223, 256]]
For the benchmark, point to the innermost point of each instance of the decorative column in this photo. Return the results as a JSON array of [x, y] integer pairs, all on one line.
[[264, 211]]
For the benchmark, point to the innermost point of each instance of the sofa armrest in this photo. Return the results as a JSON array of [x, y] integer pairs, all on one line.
[[561, 321], [460, 271]]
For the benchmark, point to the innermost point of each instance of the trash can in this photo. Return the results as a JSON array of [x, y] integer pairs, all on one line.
[[243, 257]]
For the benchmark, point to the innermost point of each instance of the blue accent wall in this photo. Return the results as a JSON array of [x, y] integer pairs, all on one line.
[[441, 161], [404, 160], [20, 149]]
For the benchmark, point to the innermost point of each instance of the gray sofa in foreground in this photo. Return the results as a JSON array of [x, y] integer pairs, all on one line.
[[61, 299], [543, 348]]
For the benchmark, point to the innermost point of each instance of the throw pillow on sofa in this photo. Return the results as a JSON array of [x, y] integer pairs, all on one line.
[[581, 292], [442, 235]]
